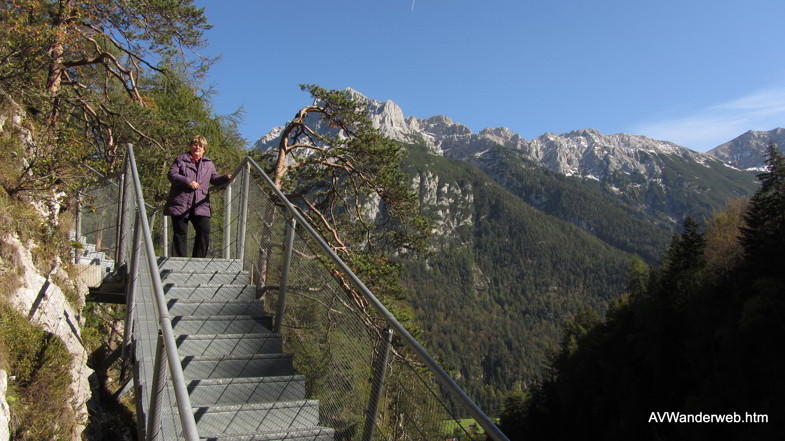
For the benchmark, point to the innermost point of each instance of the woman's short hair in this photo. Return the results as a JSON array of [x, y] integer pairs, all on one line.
[[201, 140]]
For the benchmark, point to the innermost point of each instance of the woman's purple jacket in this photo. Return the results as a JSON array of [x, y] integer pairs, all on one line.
[[182, 198]]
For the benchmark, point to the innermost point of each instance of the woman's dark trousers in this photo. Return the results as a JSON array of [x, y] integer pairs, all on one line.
[[180, 241]]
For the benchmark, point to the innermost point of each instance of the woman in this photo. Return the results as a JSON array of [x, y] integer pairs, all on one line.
[[188, 199]]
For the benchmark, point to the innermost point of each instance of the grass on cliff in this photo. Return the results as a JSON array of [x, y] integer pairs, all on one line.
[[39, 387]]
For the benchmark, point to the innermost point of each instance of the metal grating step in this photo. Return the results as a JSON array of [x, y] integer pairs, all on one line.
[[222, 324], [263, 417], [225, 344], [311, 434], [214, 307], [191, 278], [196, 367], [233, 391], [225, 292], [195, 264]]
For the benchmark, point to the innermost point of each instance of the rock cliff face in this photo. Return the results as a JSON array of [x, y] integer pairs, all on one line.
[[449, 204], [39, 297], [44, 302], [748, 151]]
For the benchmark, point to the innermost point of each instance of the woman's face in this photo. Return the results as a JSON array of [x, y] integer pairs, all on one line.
[[197, 150]]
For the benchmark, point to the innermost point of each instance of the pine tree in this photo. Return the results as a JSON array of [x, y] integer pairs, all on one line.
[[763, 237], [336, 167], [682, 265]]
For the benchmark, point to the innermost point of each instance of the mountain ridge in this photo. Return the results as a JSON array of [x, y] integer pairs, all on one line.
[[663, 178], [577, 152]]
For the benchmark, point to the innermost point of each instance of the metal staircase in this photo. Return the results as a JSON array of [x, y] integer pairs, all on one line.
[[260, 341], [240, 382]]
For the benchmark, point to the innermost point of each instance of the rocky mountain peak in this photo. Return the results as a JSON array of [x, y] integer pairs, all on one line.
[[748, 151], [583, 152]]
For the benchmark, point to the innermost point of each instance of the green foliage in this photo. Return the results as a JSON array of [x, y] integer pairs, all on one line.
[[691, 341], [333, 165], [513, 412], [86, 75], [723, 250], [176, 112], [763, 237], [340, 162], [637, 277], [40, 394]]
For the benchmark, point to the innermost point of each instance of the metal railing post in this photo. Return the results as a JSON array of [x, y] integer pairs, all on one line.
[[119, 219], [165, 234], [157, 392], [78, 227], [130, 290], [227, 219], [379, 371], [243, 213], [287, 261], [124, 219]]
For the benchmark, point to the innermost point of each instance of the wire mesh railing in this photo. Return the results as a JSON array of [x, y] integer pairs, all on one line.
[[372, 382], [98, 225]]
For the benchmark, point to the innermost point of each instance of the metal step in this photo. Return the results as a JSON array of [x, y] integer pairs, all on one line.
[[233, 391], [225, 344], [107, 292], [96, 260], [105, 297], [197, 367], [311, 434], [263, 417], [224, 292], [213, 307], [196, 264], [222, 324], [192, 278]]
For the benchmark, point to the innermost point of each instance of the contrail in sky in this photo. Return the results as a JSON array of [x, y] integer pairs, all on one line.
[[413, 2]]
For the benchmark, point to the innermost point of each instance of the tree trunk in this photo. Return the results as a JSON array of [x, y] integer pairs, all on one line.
[[56, 52]]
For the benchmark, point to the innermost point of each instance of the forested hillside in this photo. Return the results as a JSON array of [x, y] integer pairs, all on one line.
[[491, 295], [519, 249], [701, 334], [586, 204]]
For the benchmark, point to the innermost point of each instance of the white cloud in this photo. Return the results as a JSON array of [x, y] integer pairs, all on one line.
[[709, 127]]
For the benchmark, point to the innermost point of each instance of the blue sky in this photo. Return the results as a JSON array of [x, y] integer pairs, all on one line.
[[694, 72]]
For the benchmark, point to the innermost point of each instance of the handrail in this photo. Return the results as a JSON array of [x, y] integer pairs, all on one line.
[[422, 354], [176, 370], [482, 419]]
